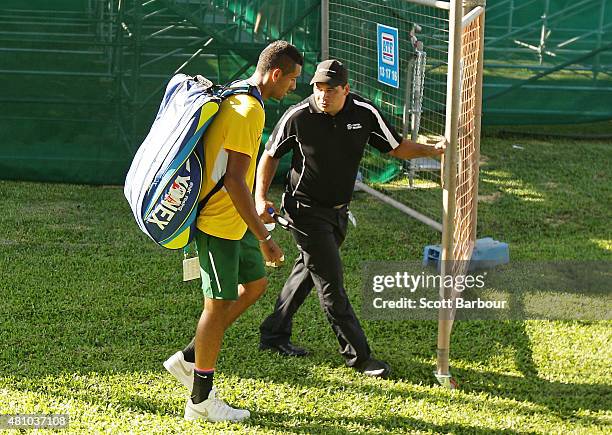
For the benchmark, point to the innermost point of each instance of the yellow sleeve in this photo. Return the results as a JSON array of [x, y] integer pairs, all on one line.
[[244, 126]]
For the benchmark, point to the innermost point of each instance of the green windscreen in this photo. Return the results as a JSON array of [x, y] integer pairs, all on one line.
[[81, 80], [548, 62]]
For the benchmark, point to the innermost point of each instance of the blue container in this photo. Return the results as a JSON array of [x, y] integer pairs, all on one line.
[[487, 254]]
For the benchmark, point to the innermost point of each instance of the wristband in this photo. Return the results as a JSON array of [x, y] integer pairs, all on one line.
[[268, 237]]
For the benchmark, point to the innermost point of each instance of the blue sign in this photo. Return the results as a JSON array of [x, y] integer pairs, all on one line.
[[387, 41]]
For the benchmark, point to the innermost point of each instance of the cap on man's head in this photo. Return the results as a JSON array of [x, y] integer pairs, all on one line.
[[331, 72]]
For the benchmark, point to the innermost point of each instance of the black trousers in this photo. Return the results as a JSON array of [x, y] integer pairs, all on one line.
[[318, 265]]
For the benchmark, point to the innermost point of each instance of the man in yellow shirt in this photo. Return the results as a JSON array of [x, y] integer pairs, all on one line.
[[231, 237]]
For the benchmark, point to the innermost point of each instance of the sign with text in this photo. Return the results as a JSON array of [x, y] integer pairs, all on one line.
[[388, 55]]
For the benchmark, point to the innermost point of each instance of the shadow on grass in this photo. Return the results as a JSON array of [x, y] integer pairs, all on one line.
[[328, 425], [472, 341], [552, 206], [558, 397], [290, 423], [555, 396], [323, 369]]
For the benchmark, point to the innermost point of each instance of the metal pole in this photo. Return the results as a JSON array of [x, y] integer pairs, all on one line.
[[543, 32], [510, 15], [324, 29], [453, 100], [407, 116], [135, 79], [119, 76], [433, 3], [600, 32], [399, 206]]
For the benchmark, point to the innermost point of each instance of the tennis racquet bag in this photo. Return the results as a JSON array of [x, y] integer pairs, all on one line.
[[165, 179]]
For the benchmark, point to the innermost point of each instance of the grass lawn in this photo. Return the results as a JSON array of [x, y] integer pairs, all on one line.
[[91, 308]]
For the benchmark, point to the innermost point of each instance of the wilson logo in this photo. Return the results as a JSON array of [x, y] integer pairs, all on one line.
[[353, 126]]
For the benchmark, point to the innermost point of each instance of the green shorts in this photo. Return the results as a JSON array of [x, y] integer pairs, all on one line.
[[226, 263]]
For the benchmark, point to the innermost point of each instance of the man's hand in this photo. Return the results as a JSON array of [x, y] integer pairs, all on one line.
[[273, 255], [439, 147], [262, 205], [410, 150]]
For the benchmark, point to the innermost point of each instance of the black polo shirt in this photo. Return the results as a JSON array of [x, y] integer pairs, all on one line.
[[327, 149]]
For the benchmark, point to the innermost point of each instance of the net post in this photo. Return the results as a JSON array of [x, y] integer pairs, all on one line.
[[453, 100], [478, 117], [324, 29]]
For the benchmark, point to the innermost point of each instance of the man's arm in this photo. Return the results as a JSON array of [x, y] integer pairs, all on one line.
[[265, 173], [384, 136], [240, 194], [408, 149]]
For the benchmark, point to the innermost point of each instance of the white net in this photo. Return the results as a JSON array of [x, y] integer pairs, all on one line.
[[466, 190]]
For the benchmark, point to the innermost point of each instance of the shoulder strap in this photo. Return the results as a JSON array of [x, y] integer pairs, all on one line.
[[209, 195], [241, 87]]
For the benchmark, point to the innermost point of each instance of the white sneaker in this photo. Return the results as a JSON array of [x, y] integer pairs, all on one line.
[[214, 409], [180, 369]]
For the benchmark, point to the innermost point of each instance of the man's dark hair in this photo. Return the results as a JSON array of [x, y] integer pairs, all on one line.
[[279, 54]]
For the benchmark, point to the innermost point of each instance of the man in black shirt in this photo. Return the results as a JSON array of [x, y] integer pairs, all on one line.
[[327, 133]]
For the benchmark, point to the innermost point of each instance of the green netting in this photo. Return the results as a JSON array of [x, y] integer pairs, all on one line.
[[46, 5], [81, 79], [548, 61], [57, 119]]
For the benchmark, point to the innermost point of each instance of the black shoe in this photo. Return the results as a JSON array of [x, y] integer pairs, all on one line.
[[287, 349], [374, 368]]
